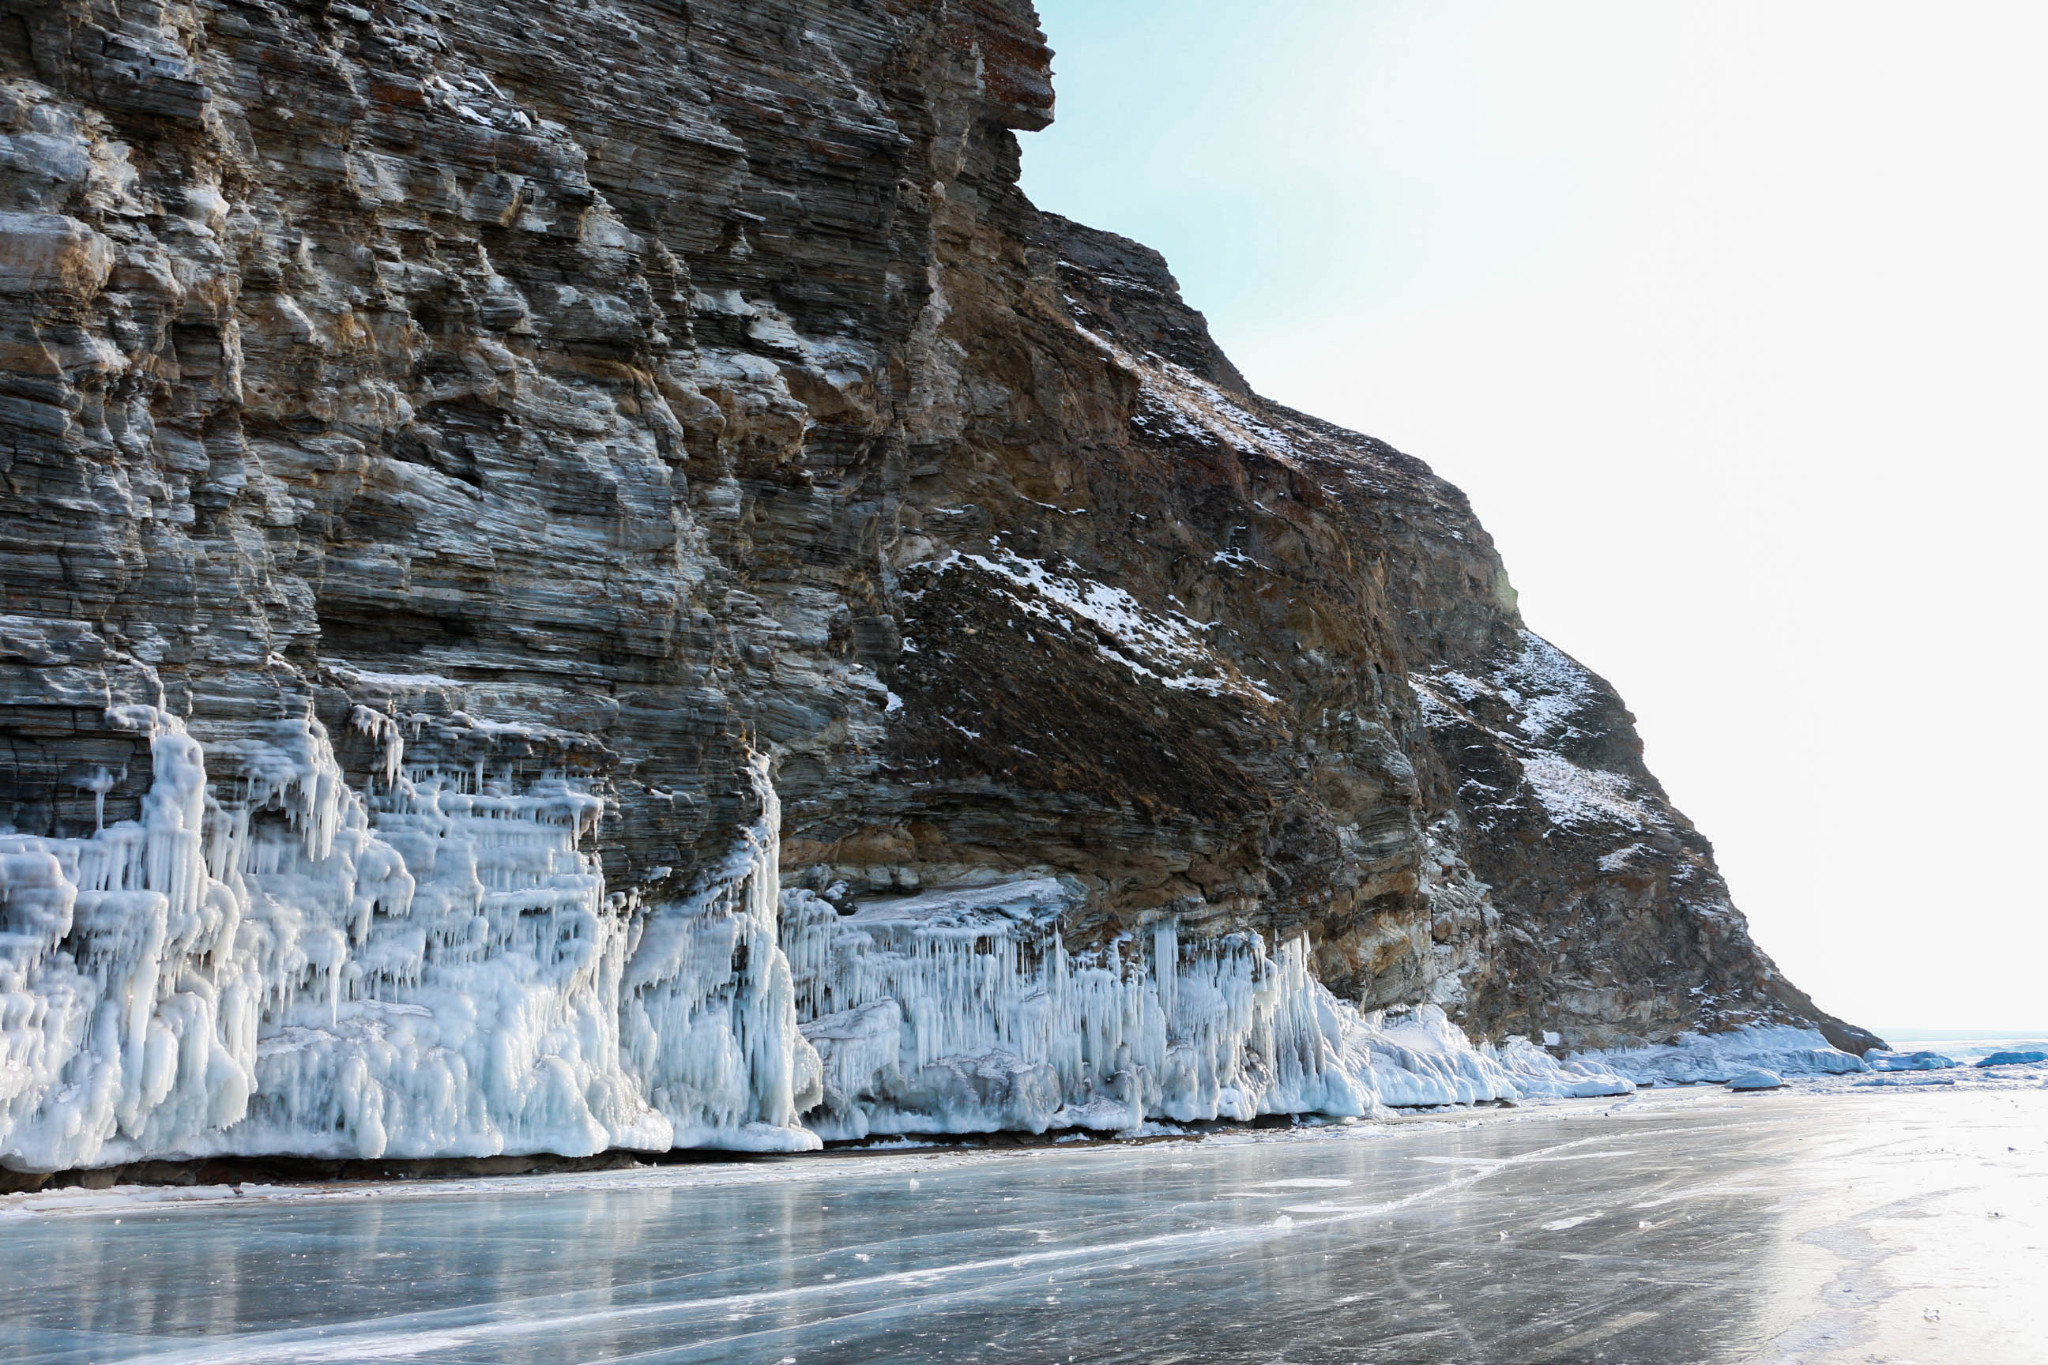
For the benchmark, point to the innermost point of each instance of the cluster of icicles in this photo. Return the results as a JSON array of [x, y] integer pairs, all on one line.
[[432, 966], [963, 1011]]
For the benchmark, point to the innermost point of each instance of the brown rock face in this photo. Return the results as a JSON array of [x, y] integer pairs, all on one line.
[[611, 393]]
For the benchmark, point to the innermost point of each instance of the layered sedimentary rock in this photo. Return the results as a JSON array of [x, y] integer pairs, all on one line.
[[522, 523]]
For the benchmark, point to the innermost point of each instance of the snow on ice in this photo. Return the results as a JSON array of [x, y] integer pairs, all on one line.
[[1879, 1060], [1756, 1078]]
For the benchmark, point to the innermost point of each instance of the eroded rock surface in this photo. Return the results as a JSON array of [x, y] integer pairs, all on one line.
[[602, 419]]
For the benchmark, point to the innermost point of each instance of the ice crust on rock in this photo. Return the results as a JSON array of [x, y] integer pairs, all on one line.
[[432, 966], [1540, 1074], [429, 968], [963, 1010], [1717, 1058]]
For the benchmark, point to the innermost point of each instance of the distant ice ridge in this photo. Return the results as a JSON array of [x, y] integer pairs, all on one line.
[[432, 968], [1717, 1058], [1878, 1060], [963, 1011]]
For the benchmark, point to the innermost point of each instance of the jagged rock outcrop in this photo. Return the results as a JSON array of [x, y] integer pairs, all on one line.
[[486, 452]]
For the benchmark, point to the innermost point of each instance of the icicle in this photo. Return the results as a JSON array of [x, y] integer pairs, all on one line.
[[99, 783], [382, 727]]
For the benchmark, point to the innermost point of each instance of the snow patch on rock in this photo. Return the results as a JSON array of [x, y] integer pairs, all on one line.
[[1542, 691], [1162, 647]]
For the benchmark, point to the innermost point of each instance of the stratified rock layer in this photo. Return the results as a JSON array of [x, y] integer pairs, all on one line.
[[599, 420]]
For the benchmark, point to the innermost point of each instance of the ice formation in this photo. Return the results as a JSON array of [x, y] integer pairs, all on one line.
[[1717, 1058], [963, 1010], [1880, 1060], [432, 966], [1756, 1078], [429, 968]]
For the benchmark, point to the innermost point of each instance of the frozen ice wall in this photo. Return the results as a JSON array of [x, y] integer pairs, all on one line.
[[962, 1010], [429, 968], [432, 966]]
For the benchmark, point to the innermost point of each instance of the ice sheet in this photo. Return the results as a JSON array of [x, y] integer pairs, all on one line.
[[1689, 1225]]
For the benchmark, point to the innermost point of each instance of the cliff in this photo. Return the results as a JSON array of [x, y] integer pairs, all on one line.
[[583, 576]]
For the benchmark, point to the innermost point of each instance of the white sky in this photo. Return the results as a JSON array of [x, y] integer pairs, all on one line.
[[1730, 319]]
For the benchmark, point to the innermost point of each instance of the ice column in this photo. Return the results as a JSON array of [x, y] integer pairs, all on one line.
[[710, 1008]]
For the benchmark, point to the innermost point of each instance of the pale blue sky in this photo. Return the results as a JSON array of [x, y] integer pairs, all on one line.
[[1729, 317]]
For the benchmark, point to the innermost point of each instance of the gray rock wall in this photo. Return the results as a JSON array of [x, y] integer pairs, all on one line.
[[606, 395]]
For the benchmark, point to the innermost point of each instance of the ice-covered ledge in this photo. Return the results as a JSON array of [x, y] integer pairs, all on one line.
[[433, 967]]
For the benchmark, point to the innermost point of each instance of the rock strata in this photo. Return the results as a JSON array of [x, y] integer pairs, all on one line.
[[499, 499]]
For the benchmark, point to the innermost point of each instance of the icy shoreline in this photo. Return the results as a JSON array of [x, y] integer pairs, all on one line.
[[906, 1156], [432, 968]]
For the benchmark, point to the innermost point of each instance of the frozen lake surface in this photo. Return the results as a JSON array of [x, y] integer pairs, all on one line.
[[1868, 1225]]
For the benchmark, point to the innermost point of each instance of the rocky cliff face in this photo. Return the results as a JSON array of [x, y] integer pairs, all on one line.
[[495, 493]]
